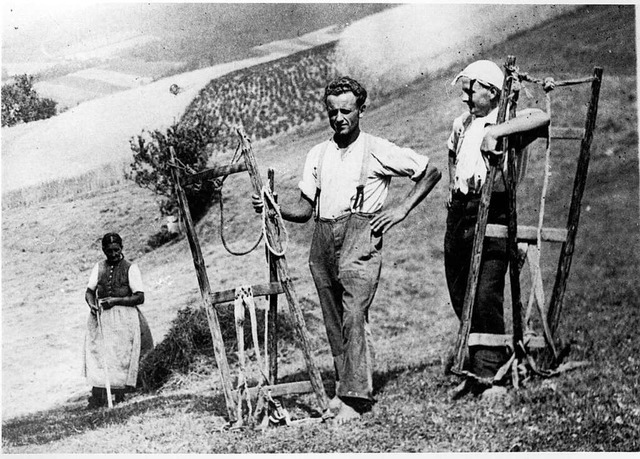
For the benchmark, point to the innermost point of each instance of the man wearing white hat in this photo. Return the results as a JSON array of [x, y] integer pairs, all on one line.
[[476, 133]]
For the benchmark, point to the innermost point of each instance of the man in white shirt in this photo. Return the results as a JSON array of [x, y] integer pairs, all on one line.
[[345, 180], [474, 133]]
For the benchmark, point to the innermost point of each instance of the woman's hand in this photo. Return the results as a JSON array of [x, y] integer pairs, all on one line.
[[107, 303]]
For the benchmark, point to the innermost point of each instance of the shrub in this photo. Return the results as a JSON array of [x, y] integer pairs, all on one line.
[[151, 165], [189, 339], [21, 103], [161, 238]]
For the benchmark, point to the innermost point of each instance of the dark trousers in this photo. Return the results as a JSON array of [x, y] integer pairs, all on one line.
[[488, 309], [345, 263]]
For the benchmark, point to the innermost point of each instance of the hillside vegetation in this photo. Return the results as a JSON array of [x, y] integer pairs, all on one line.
[[594, 408]]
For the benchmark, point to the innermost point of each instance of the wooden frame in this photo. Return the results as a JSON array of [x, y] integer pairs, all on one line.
[[280, 283], [515, 233]]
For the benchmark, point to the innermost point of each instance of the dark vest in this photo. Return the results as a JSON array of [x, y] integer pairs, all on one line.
[[113, 280]]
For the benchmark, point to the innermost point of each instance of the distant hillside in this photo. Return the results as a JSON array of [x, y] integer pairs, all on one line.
[[181, 36], [37, 152], [101, 128]]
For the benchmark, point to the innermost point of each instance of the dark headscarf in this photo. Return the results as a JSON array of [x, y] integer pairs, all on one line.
[[111, 238]]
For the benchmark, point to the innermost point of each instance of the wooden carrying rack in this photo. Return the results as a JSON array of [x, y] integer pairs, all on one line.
[[529, 236], [280, 282]]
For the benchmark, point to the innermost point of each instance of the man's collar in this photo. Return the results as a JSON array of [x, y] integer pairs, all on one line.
[[490, 117], [360, 136]]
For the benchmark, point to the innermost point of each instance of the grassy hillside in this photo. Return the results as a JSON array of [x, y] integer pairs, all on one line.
[[149, 41], [48, 251]]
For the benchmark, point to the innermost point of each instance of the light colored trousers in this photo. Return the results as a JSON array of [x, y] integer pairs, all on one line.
[[345, 261]]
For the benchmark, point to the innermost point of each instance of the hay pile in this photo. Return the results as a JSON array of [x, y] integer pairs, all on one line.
[[189, 339]]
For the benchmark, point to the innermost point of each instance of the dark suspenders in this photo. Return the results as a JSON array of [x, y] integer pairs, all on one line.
[[364, 174]]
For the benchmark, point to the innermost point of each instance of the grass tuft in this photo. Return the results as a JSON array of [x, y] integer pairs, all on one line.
[[189, 339]]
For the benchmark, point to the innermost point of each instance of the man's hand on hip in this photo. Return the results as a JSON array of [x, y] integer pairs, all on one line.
[[387, 219]]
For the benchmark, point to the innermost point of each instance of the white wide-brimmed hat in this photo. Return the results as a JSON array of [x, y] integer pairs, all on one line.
[[483, 71]]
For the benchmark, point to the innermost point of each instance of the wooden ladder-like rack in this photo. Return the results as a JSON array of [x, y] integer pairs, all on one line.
[[280, 283], [529, 235]]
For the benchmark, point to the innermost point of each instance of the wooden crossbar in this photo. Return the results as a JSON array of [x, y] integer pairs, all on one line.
[[575, 81], [528, 234], [225, 296], [280, 390], [536, 342], [566, 133], [214, 172]]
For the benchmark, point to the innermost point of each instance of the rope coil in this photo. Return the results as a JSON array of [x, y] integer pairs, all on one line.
[[267, 195], [224, 241]]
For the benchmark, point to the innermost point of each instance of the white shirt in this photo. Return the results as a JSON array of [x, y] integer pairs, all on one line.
[[340, 173], [134, 275], [471, 169]]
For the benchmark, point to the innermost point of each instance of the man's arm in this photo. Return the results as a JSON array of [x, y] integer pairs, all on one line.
[[388, 218], [452, 176], [529, 123], [299, 212]]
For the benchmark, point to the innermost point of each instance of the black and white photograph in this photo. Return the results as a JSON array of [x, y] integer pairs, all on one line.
[[261, 228]]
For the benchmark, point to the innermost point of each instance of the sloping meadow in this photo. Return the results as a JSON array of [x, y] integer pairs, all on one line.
[[594, 408]]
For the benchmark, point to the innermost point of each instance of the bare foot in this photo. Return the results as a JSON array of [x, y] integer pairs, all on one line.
[[495, 394], [335, 403], [345, 414], [461, 390]]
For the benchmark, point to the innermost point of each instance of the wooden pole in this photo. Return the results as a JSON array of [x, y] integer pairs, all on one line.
[[107, 383], [478, 240], [512, 233], [272, 331], [205, 291], [283, 274], [566, 252]]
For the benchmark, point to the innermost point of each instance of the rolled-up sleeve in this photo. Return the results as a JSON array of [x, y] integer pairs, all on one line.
[[309, 181], [395, 161], [456, 130], [135, 279], [93, 277]]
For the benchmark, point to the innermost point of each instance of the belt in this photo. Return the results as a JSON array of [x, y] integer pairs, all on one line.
[[457, 194], [348, 214]]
